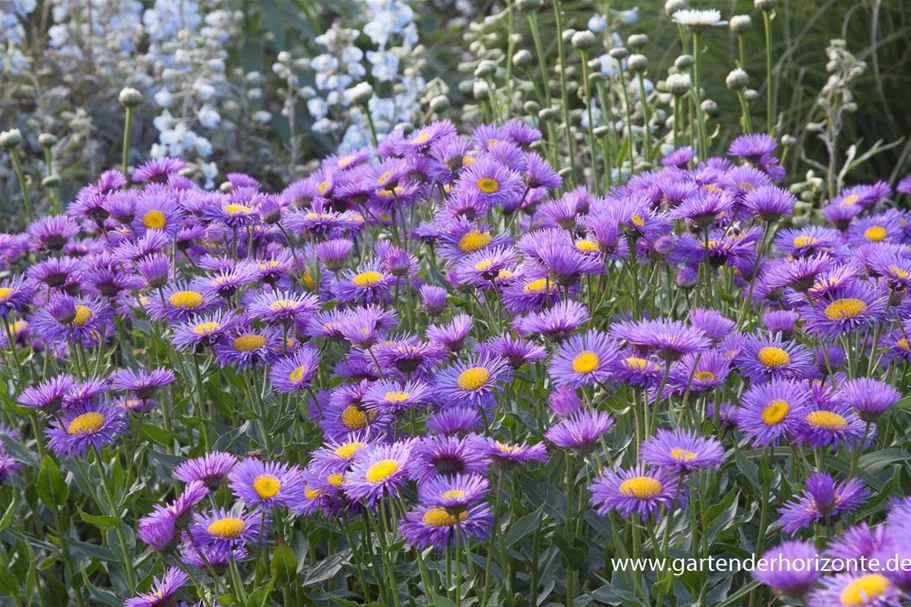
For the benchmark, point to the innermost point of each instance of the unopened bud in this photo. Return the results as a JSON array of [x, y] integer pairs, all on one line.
[[130, 98]]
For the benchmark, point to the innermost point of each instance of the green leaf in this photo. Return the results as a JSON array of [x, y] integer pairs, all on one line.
[[524, 526], [284, 564], [259, 596], [157, 435], [52, 489], [102, 522], [8, 515]]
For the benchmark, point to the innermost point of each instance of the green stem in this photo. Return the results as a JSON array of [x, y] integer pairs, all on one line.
[[127, 133], [23, 184], [564, 93]]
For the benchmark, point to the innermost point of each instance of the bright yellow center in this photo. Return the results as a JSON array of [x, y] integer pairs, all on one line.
[[507, 449], [745, 186], [382, 470], [206, 328], [637, 221], [586, 362], [235, 209], [5, 292], [228, 528], [848, 307], [298, 374], [312, 494], [852, 199], [587, 246], [453, 494], [438, 517], [875, 233], [348, 450], [473, 379], [903, 344], [705, 376], [345, 161], [488, 185], [805, 241], [635, 363], [354, 418], [483, 265], [398, 397], [86, 423], [266, 486], [83, 315], [367, 279], [642, 487], [827, 420], [474, 241], [282, 304], [322, 187], [536, 286], [682, 455], [422, 138], [385, 177], [154, 220], [864, 590], [336, 480], [774, 357], [186, 300], [248, 343], [775, 412], [898, 272]]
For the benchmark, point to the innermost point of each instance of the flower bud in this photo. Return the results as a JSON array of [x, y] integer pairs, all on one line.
[[672, 6], [637, 41], [752, 95], [529, 5], [548, 114], [10, 139], [737, 80], [531, 107], [678, 84], [360, 94], [51, 181], [596, 77], [568, 34], [440, 103], [765, 5], [788, 140], [480, 90], [130, 98], [584, 40], [522, 58], [637, 63], [710, 108], [47, 140], [740, 24], [684, 62], [619, 53]]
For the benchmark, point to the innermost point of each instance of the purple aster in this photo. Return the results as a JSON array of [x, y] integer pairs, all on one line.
[[203, 330], [782, 322], [515, 350], [634, 370], [462, 237], [506, 456], [713, 323], [530, 293], [52, 233], [564, 401], [227, 529], [868, 397], [580, 431], [15, 295], [452, 336], [157, 213], [473, 381], [699, 372], [763, 358], [553, 324], [837, 314], [409, 355], [86, 391], [856, 589], [334, 253], [158, 169], [162, 590], [773, 411], [364, 326], [454, 421], [539, 173], [790, 568], [379, 471], [822, 500], [752, 147], [48, 395], [770, 203], [453, 493], [681, 451], [447, 456], [387, 396], [433, 299], [841, 215], [638, 490], [704, 208], [295, 371], [179, 303], [246, 347], [583, 360], [230, 213], [370, 283], [808, 241], [426, 526], [667, 339], [76, 429], [679, 158], [140, 382], [798, 274], [835, 424], [883, 228], [904, 186], [265, 484], [225, 283], [87, 319], [484, 267], [209, 469], [858, 541], [493, 181], [279, 307]]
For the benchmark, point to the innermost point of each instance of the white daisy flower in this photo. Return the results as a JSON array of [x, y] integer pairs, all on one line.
[[698, 20]]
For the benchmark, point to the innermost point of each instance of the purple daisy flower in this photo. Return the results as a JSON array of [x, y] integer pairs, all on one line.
[[837, 314], [681, 451], [539, 173], [454, 421], [52, 233], [553, 324], [433, 299], [84, 426], [638, 490], [452, 336], [564, 401], [836, 424], [868, 397], [245, 347], [337, 455], [392, 397], [515, 350], [363, 326], [158, 169], [369, 284], [858, 541], [782, 322], [334, 253], [822, 499], [580, 431], [447, 456], [54, 272], [295, 371], [162, 590], [473, 381], [635, 370], [583, 360], [86, 391], [462, 237], [770, 203], [752, 147], [699, 372], [203, 330], [667, 339], [230, 213], [704, 208], [506, 456], [427, 526], [227, 529], [808, 241], [48, 395], [218, 557], [379, 471], [763, 358], [87, 319], [493, 181], [209, 469], [856, 589], [794, 570], [798, 274], [453, 493], [714, 324], [140, 382], [179, 303], [278, 307], [15, 295], [773, 411], [265, 484]]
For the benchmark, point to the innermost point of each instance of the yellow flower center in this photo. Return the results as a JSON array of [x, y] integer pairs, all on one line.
[[483, 265], [83, 315], [348, 450], [398, 397], [848, 307], [903, 344], [773, 357], [367, 279], [746, 186], [206, 328], [586, 362], [438, 517], [453, 494], [875, 233], [248, 343], [537, 286], [852, 199], [864, 590], [336, 480], [322, 187], [355, 419], [344, 161], [637, 221], [186, 300], [474, 241], [154, 220], [86, 423], [682, 455], [282, 304], [504, 275], [898, 272], [298, 374], [705, 376], [473, 379], [422, 138], [635, 363], [5, 292], [805, 241], [236, 209], [228, 528], [382, 470], [507, 449], [775, 412], [266, 486], [488, 185], [312, 494], [587, 246], [827, 420], [642, 487], [385, 177]]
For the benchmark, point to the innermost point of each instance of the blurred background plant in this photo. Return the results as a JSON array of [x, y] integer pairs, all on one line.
[[233, 85]]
